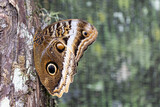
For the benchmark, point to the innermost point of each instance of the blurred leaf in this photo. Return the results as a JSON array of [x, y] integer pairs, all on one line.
[[89, 18], [98, 86], [124, 4], [97, 49], [102, 17], [156, 32]]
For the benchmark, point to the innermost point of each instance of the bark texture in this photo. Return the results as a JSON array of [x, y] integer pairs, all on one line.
[[19, 85]]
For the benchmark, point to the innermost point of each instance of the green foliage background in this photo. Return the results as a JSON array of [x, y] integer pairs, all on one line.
[[122, 68]]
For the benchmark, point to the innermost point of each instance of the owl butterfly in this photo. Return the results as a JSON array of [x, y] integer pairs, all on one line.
[[57, 50]]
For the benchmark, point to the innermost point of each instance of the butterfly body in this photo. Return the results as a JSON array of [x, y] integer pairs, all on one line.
[[57, 50]]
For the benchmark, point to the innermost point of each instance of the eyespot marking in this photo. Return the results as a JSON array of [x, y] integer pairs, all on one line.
[[51, 68]]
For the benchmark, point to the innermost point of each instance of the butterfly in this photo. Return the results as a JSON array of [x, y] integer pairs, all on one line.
[[57, 50]]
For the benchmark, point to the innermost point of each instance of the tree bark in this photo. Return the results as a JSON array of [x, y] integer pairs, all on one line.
[[19, 85]]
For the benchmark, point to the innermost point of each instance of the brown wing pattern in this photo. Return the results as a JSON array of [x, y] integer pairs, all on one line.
[[57, 50]]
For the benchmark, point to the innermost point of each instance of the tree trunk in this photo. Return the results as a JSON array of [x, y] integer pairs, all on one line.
[[19, 85]]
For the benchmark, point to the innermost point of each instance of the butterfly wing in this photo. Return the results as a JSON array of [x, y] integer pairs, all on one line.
[[57, 50]]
